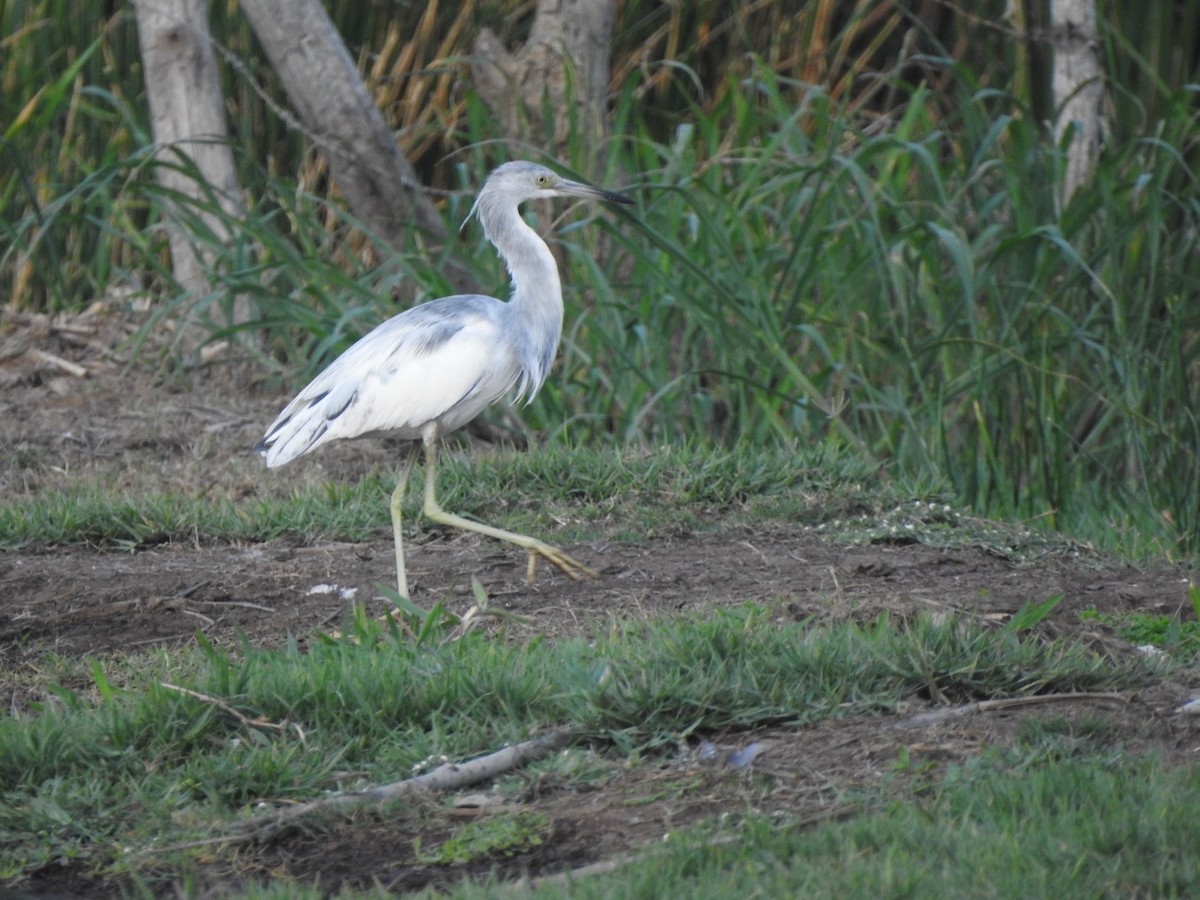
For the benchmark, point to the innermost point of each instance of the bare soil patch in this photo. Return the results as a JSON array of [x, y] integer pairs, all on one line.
[[121, 426]]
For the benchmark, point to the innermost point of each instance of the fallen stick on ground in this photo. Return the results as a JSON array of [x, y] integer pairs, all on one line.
[[448, 777], [938, 716], [65, 364], [220, 704]]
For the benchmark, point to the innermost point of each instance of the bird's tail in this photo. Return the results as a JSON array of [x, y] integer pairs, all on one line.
[[294, 433]]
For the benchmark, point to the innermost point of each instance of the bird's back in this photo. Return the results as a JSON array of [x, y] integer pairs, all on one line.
[[435, 366]]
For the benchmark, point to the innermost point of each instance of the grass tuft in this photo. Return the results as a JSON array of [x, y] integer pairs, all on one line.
[[373, 706], [590, 487], [1086, 828]]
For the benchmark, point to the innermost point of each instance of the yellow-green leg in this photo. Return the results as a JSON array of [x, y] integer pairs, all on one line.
[[533, 546], [396, 503]]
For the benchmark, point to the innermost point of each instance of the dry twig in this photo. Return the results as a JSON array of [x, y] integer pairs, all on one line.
[[65, 364], [938, 716], [225, 708], [448, 777]]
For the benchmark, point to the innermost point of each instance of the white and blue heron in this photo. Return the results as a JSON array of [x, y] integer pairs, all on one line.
[[435, 367]]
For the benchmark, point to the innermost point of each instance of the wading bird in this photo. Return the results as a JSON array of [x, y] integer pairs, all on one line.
[[435, 367]]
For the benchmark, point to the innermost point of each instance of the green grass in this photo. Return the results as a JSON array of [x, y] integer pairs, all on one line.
[[1094, 826], [629, 492], [1085, 828], [918, 286], [1164, 632], [373, 706], [496, 837], [1171, 633]]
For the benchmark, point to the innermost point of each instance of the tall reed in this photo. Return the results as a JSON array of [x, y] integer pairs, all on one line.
[[917, 290]]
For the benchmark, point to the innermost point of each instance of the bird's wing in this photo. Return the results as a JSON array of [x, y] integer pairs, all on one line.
[[441, 362]]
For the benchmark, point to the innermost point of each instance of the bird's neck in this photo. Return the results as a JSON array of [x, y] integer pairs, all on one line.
[[537, 291], [536, 304]]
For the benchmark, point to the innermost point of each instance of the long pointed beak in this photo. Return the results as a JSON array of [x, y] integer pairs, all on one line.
[[578, 189]]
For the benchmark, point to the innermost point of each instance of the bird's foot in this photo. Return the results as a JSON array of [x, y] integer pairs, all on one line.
[[572, 567]]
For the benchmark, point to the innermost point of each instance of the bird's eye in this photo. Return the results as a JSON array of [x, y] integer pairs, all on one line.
[[542, 179]]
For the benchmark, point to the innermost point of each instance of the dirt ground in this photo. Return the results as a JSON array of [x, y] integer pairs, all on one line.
[[71, 412]]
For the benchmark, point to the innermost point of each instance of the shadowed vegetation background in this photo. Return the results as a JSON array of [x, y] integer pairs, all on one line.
[[848, 233]]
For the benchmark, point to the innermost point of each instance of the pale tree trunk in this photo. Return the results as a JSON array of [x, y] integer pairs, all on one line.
[[564, 67], [1078, 87], [188, 122], [337, 112]]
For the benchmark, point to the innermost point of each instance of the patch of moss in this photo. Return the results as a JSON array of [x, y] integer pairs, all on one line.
[[495, 837]]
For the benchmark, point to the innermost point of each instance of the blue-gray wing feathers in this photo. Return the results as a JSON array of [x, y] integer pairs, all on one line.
[[435, 366]]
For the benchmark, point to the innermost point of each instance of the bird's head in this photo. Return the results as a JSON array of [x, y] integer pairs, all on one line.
[[520, 181], [515, 182]]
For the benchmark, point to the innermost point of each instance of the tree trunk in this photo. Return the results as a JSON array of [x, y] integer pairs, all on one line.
[[1078, 87], [188, 122], [562, 70], [337, 112]]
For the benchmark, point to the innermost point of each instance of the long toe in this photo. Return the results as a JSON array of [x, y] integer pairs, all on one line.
[[571, 566]]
